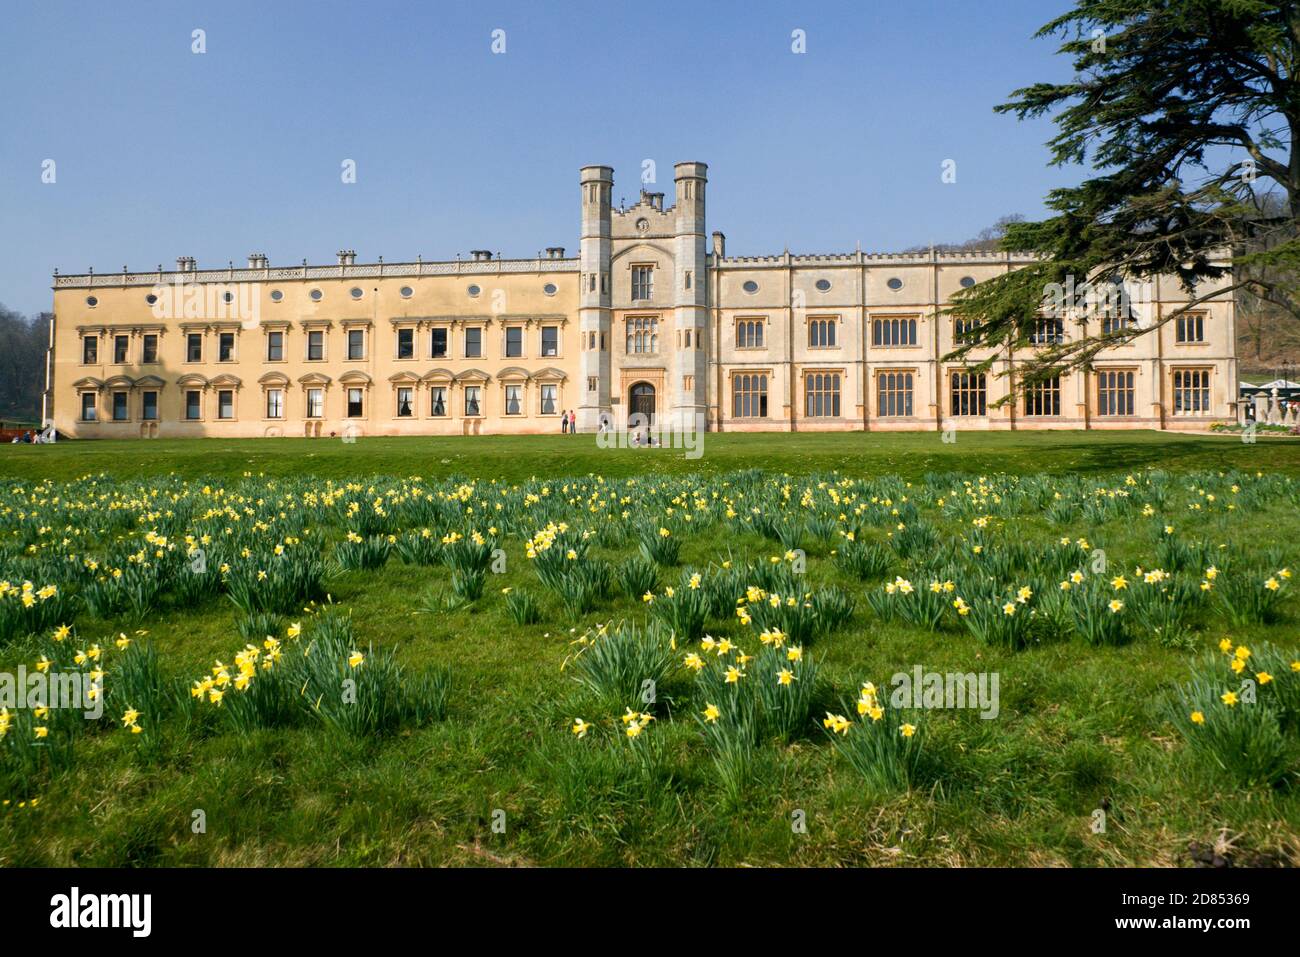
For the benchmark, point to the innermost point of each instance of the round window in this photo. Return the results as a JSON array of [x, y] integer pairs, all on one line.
[[227, 297], [967, 281], [406, 292], [151, 299], [356, 292], [473, 290], [316, 295], [895, 283], [823, 285], [276, 295], [92, 302], [750, 286], [549, 289]]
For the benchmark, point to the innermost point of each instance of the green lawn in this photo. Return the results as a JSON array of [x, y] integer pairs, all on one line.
[[1089, 727], [517, 458]]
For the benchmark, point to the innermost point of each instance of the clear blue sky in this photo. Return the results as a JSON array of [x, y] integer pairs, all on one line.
[[161, 152]]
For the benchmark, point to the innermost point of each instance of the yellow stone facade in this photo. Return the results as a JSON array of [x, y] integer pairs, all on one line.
[[650, 317]]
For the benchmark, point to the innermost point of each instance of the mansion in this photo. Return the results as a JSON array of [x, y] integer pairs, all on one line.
[[651, 318]]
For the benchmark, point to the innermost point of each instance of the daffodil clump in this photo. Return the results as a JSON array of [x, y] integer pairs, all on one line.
[[1250, 597], [26, 609], [923, 605], [98, 676], [619, 751], [619, 662], [883, 744], [681, 608], [1240, 713], [1006, 619], [763, 693], [320, 676]]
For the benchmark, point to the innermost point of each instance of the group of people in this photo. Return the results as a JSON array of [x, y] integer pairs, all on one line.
[[569, 422], [27, 438]]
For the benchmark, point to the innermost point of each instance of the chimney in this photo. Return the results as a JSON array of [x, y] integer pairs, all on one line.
[[347, 257], [185, 263], [554, 252], [481, 255], [257, 261], [719, 245]]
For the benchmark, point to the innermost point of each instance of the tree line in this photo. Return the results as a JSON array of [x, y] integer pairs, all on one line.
[[22, 364]]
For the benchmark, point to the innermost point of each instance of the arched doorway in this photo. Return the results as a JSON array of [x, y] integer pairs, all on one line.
[[641, 402]]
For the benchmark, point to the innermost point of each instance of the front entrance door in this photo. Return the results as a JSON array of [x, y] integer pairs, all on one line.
[[641, 402]]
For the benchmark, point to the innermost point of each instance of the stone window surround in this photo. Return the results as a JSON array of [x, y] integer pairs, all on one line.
[[919, 318], [1136, 371], [323, 326], [836, 326], [913, 371], [765, 327], [732, 375], [133, 330], [284, 328], [803, 382], [1170, 373], [366, 327], [275, 380]]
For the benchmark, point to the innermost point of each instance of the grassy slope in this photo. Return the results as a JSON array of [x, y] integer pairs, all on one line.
[[515, 458], [1078, 724]]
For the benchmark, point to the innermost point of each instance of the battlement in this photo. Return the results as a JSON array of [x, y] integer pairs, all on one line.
[[859, 258], [346, 270]]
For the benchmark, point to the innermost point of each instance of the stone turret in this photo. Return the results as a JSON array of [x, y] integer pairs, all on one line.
[[594, 316], [687, 392]]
